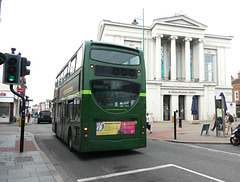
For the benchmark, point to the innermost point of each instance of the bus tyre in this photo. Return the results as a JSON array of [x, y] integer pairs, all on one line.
[[70, 140]]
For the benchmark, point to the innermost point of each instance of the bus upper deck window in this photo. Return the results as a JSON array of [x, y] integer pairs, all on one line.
[[114, 57]]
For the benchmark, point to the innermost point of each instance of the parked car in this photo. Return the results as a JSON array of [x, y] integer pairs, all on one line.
[[44, 116]]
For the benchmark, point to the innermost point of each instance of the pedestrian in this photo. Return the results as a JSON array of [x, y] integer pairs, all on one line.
[[28, 116], [177, 117], [229, 121], [148, 122], [214, 119]]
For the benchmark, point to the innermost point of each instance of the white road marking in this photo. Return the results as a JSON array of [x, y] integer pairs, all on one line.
[[213, 150], [144, 170], [200, 174]]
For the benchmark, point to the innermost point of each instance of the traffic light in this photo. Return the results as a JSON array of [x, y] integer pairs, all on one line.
[[24, 64], [11, 69]]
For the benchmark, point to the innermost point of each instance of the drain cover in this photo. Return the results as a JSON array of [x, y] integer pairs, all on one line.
[[23, 159]]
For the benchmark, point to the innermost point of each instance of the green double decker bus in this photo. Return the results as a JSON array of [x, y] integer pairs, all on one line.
[[100, 99]]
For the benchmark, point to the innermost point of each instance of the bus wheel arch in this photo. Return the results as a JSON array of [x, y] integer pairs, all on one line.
[[70, 142]]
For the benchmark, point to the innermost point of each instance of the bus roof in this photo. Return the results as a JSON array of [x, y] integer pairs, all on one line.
[[98, 43], [108, 44]]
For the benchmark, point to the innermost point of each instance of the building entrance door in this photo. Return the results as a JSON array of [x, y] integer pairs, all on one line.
[[181, 106], [196, 117], [166, 107]]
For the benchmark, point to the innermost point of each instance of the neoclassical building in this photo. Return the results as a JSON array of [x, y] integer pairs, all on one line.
[[181, 62]]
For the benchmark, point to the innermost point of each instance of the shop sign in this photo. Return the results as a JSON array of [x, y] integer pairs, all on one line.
[[20, 89], [182, 92], [2, 94]]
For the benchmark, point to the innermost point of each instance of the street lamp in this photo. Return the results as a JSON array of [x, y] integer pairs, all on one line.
[[0, 10], [135, 23]]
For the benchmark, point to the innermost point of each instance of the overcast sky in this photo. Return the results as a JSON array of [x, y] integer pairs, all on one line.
[[48, 32]]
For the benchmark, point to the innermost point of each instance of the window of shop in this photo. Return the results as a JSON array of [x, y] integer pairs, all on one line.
[[4, 111]]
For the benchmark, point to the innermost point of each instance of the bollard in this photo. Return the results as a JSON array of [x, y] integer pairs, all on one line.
[[20, 122], [180, 123], [175, 126]]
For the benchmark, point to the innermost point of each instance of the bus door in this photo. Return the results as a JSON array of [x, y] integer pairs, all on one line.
[[54, 117], [59, 119], [62, 120]]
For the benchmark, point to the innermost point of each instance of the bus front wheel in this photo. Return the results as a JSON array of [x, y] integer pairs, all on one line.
[[70, 140]]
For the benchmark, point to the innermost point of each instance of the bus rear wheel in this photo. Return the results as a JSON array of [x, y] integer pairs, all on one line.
[[70, 144]]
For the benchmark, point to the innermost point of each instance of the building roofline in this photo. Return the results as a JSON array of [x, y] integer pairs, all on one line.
[[170, 22], [178, 16], [113, 23], [219, 36]]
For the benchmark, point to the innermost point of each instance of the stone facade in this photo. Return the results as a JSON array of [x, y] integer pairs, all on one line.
[[181, 61]]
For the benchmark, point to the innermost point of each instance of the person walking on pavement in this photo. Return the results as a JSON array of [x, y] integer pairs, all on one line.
[[28, 116], [177, 117], [229, 121], [148, 122], [214, 120]]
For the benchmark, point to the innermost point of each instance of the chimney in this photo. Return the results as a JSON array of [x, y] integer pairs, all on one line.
[[238, 73]]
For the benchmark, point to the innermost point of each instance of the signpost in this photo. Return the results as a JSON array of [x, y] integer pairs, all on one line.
[[23, 116]]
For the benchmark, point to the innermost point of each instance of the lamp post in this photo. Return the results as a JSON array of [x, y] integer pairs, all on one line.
[[135, 23], [0, 10]]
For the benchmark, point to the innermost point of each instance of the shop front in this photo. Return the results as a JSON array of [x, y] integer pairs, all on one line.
[[8, 107]]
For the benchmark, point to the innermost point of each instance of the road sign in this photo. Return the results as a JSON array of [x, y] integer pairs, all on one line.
[[20, 89]]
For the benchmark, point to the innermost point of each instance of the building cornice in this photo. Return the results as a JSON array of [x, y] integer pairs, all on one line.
[[218, 36]]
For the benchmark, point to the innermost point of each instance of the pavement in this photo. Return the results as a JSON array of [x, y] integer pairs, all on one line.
[[33, 165], [188, 133]]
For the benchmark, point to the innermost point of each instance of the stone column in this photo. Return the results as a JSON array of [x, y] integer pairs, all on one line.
[[201, 60], [158, 57], [173, 57], [187, 59]]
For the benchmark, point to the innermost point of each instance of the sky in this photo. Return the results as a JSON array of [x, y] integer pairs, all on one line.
[[48, 32]]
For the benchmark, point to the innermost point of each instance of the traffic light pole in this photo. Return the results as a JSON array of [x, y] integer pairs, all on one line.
[[23, 117]]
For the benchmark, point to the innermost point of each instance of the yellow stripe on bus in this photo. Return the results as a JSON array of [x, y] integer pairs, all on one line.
[[86, 92], [142, 94]]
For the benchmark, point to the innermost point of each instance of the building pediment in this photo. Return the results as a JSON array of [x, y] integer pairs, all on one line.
[[180, 20]]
